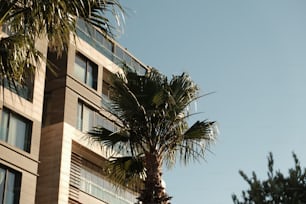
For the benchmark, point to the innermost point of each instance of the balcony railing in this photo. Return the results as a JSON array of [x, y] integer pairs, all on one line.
[[109, 48], [96, 185]]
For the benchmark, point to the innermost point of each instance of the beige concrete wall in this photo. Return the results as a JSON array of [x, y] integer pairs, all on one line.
[[54, 106], [28, 188], [18, 158], [50, 164]]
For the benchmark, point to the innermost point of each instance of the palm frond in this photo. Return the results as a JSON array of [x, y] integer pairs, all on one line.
[[184, 90], [125, 104], [124, 141], [108, 138], [201, 130], [19, 57], [6, 8], [197, 140], [127, 171], [99, 17], [190, 145]]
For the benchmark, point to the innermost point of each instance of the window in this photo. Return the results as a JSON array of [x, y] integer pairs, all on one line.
[[85, 118], [86, 71], [23, 90], [15, 130], [106, 95], [107, 75], [88, 118], [10, 183], [106, 89]]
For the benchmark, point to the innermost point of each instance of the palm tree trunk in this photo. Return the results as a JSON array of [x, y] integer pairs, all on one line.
[[153, 192]]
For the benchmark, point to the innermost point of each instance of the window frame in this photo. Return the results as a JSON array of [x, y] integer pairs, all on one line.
[[5, 125], [24, 90], [90, 67], [97, 120], [106, 89], [80, 116], [5, 188]]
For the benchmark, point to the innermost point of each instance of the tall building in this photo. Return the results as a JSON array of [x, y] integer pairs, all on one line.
[[20, 130], [46, 157], [72, 170]]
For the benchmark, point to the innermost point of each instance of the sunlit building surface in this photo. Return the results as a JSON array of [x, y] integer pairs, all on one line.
[[45, 154], [20, 130]]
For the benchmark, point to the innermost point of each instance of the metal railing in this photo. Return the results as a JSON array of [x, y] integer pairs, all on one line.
[[108, 193], [109, 48]]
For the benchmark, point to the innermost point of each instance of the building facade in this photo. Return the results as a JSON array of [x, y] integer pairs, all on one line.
[[72, 169], [46, 157], [20, 130]]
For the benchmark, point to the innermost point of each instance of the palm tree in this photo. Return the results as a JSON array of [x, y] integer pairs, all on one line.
[[153, 130], [29, 20]]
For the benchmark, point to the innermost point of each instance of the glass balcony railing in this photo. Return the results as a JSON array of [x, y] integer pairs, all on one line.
[[94, 184], [108, 48]]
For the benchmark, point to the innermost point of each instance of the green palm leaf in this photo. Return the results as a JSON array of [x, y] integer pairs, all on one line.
[[18, 57], [127, 171]]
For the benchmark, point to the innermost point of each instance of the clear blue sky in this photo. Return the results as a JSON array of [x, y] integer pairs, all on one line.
[[252, 53]]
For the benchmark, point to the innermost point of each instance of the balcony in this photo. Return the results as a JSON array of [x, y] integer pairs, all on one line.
[[109, 48]]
